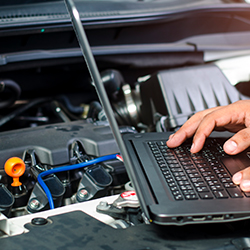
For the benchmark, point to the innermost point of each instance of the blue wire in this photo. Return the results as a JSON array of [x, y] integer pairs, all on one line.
[[67, 168]]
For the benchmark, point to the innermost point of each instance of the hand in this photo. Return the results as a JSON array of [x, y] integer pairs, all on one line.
[[234, 118]]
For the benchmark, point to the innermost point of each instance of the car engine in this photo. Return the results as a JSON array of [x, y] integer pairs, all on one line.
[[66, 131], [57, 151]]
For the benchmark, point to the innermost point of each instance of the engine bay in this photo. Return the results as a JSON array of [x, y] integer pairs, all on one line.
[[54, 136], [57, 151]]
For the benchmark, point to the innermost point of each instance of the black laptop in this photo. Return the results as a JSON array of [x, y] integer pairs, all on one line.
[[180, 188], [174, 187]]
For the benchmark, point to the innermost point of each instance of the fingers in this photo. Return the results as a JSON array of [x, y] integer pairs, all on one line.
[[222, 118], [239, 142], [242, 178], [188, 129], [234, 117]]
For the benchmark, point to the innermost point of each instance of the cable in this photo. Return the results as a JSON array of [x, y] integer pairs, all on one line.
[[22, 109], [67, 168]]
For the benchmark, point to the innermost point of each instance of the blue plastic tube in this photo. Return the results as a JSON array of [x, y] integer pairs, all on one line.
[[67, 168]]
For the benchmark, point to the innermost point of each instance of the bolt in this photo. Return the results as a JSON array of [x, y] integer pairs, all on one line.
[[82, 194], [34, 204]]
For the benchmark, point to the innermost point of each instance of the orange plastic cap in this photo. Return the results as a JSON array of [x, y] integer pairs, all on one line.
[[15, 168]]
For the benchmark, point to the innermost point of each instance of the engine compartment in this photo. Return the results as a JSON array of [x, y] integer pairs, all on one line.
[[52, 119], [50, 129]]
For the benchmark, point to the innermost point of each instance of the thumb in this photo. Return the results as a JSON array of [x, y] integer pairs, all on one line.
[[239, 142], [242, 178]]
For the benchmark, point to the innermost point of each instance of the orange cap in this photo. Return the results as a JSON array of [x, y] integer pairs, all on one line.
[[15, 168]]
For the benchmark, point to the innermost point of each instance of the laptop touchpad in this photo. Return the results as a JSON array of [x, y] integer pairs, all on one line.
[[236, 163]]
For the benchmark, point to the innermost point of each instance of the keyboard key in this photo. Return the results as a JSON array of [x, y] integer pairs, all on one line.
[[213, 182], [178, 197], [202, 189], [179, 174], [169, 180], [176, 169], [210, 178], [200, 161], [174, 188], [173, 165], [162, 165], [223, 175], [185, 163], [201, 165], [176, 193], [220, 194], [224, 180], [189, 167], [186, 192], [169, 157], [217, 187], [229, 184], [198, 179], [196, 157], [191, 171], [191, 197], [187, 187], [205, 174], [206, 195], [194, 175], [181, 178], [204, 169], [235, 192], [183, 183], [172, 162], [183, 159], [166, 174], [161, 143], [199, 184], [159, 160]]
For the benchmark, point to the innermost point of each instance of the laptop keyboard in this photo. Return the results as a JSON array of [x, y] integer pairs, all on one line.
[[195, 176]]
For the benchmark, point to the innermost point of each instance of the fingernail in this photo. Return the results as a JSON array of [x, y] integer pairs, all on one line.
[[237, 178], [230, 146], [192, 147], [245, 185], [170, 137]]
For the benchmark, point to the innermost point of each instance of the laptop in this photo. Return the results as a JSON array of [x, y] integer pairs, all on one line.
[[173, 186]]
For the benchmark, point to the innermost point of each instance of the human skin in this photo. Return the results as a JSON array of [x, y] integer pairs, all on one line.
[[234, 118]]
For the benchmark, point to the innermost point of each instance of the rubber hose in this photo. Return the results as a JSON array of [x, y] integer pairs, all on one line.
[[13, 88], [66, 102], [94, 109], [20, 110]]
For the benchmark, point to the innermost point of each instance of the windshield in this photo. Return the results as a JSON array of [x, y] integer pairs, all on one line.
[[23, 2]]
